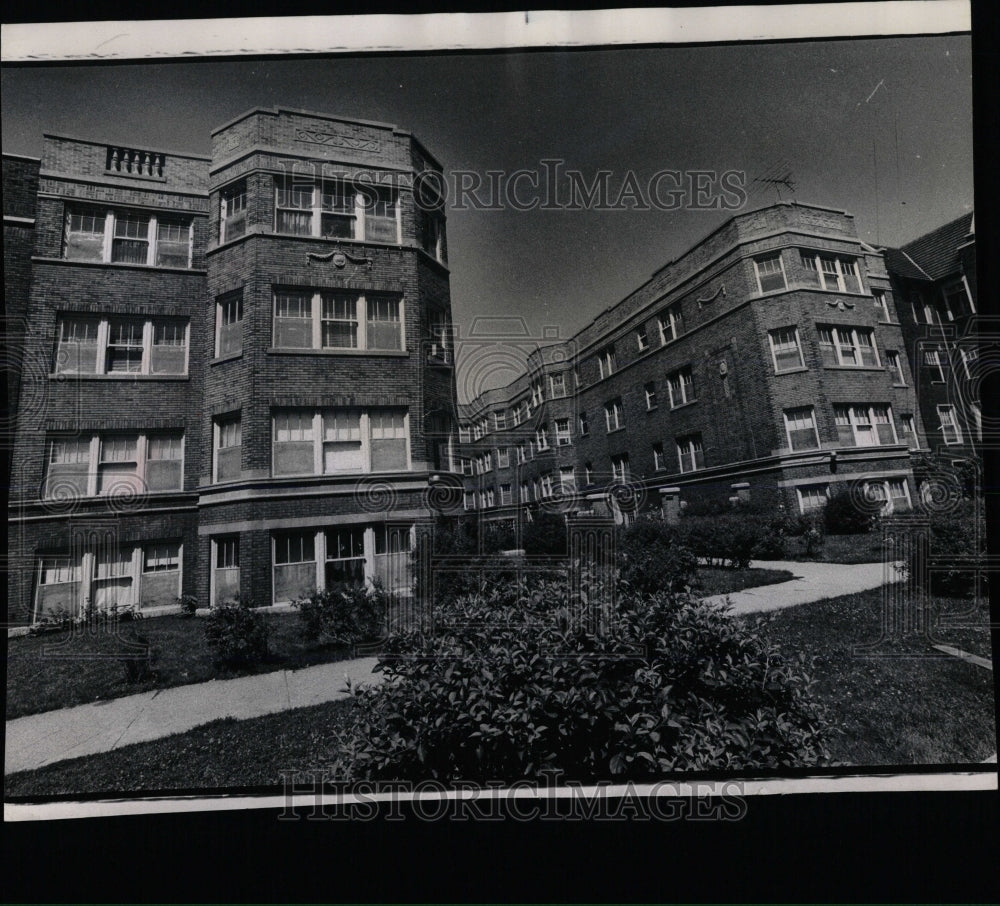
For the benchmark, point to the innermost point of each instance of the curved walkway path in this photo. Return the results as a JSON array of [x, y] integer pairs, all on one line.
[[41, 739]]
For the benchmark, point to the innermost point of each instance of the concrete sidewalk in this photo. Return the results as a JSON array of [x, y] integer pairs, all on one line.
[[812, 582], [40, 739]]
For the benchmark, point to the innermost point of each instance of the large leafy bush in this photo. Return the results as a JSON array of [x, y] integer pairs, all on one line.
[[517, 681], [846, 515], [653, 557], [956, 549]]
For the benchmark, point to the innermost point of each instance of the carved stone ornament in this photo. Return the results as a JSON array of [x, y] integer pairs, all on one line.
[[840, 304], [315, 137], [721, 290], [339, 258]]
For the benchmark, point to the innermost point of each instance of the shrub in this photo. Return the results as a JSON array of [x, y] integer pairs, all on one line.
[[957, 546], [843, 515], [517, 682], [810, 530], [733, 539], [545, 534], [136, 656], [236, 634], [344, 614], [652, 557]]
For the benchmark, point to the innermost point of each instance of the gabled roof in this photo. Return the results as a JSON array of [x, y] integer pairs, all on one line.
[[934, 255]]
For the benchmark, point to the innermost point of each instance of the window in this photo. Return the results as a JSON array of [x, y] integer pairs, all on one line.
[[567, 480], [606, 361], [588, 473], [950, 431], [563, 437], [333, 209], [344, 555], [800, 428], [909, 434], [466, 464], [864, 425], [515, 415], [937, 361], [786, 352], [332, 441], [641, 339], [882, 305], [670, 324], [522, 453], [469, 500], [233, 212], [143, 575], [659, 460], [895, 365], [304, 319], [650, 392], [506, 498], [970, 356], [432, 235], [812, 497], [837, 274], [120, 236], [503, 458], [584, 424], [228, 433], [852, 347], [464, 435], [542, 438], [537, 393], [546, 485], [680, 385], [229, 324], [489, 498], [121, 346], [525, 492], [893, 493], [226, 572], [499, 421], [770, 273], [613, 415], [557, 385], [294, 566], [956, 300], [576, 378], [59, 585], [619, 467], [690, 453], [111, 464]]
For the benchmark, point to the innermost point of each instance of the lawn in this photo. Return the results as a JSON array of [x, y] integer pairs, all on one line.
[[903, 703], [910, 706], [839, 549], [57, 670], [718, 580]]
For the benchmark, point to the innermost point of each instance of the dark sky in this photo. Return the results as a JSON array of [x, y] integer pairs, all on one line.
[[765, 109]]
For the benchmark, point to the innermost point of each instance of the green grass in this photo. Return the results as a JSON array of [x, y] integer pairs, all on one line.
[[58, 670], [905, 703], [717, 580], [839, 549]]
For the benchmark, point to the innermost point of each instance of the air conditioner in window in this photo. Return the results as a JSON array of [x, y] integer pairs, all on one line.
[[439, 353]]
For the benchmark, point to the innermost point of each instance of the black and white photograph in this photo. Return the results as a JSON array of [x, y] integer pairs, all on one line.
[[580, 411]]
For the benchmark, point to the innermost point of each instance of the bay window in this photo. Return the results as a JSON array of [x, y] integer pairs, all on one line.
[[335, 209], [852, 347], [864, 425], [339, 441], [830, 272]]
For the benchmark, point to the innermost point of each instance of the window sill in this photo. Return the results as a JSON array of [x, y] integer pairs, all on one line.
[[683, 405], [615, 431], [196, 271], [652, 408], [68, 376], [386, 353], [229, 357], [899, 386], [854, 367], [798, 370]]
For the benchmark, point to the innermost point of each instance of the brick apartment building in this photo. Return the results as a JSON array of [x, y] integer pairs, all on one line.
[[934, 281], [233, 370], [766, 363]]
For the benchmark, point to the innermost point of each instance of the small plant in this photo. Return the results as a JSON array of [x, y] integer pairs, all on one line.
[[344, 614], [188, 605], [136, 656], [237, 634]]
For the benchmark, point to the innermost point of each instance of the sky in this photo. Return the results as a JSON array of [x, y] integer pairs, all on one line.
[[881, 128]]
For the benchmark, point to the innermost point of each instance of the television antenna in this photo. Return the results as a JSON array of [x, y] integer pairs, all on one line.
[[776, 182]]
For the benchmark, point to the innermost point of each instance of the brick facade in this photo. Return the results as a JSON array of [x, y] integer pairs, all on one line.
[[50, 279], [736, 398]]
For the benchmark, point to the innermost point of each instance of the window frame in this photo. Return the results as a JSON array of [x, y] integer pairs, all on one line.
[[824, 492], [773, 343], [355, 212], [684, 380], [758, 260], [690, 450], [790, 419], [843, 337], [953, 426], [613, 412]]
